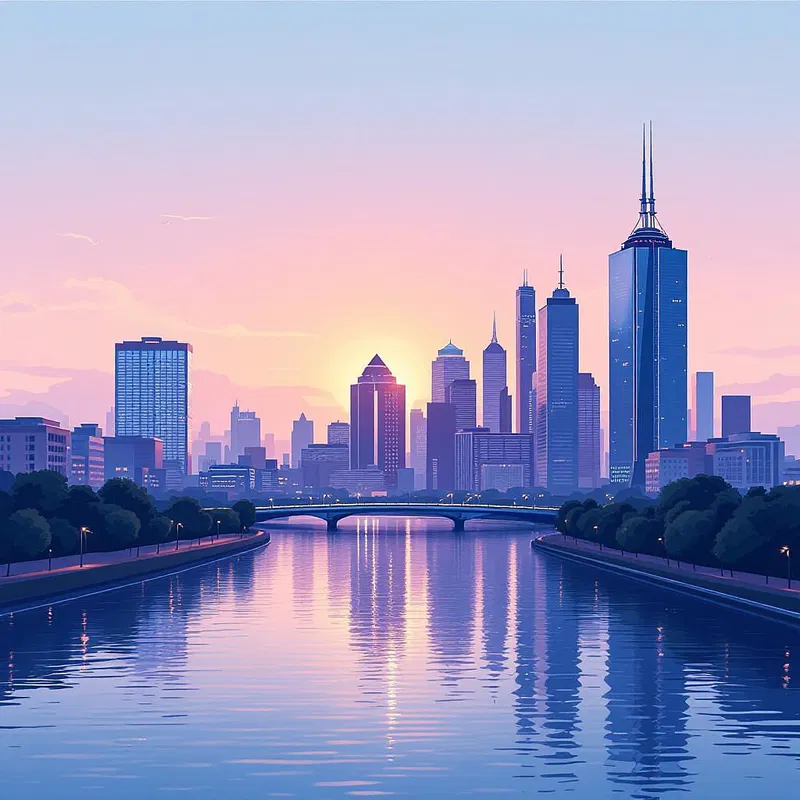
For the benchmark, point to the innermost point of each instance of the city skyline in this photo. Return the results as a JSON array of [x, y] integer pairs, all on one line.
[[146, 277]]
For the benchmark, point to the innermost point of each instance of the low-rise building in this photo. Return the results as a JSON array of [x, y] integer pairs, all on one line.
[[29, 444], [319, 461], [485, 460], [88, 456], [231, 478], [748, 459], [673, 463], [368, 481], [135, 457]]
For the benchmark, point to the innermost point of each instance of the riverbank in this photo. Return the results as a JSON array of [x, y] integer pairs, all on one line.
[[39, 582], [742, 590]]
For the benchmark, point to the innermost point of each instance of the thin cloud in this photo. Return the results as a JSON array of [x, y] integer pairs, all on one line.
[[166, 219], [774, 385], [17, 308], [784, 351], [83, 236]]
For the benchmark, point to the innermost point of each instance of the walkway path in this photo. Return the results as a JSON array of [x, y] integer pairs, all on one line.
[[24, 570]]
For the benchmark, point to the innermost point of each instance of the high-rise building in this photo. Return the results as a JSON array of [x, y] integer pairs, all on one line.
[[339, 433], [29, 444], [418, 432], [88, 456], [494, 381], [152, 394], [526, 352], [557, 393], [463, 394], [378, 421], [647, 343], [506, 410], [735, 414], [302, 437], [245, 431], [703, 406], [440, 466], [450, 365], [589, 437], [485, 460]]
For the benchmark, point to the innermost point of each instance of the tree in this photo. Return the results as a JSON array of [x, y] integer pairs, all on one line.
[[638, 534], [121, 527], [43, 491], [588, 524], [65, 536], [690, 535], [81, 507], [247, 513], [29, 534], [183, 510], [737, 540], [228, 520], [561, 514], [571, 527], [158, 530], [700, 492], [124, 493], [200, 525], [6, 480]]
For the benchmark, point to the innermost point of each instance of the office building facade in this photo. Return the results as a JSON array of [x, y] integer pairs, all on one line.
[[526, 352], [647, 343], [30, 444], [440, 452], [378, 421], [320, 461], [703, 406], [418, 434], [486, 460], [133, 457], [495, 380], [245, 431], [748, 459], [339, 433], [463, 395], [589, 442], [88, 456], [152, 388], [557, 393], [449, 365]]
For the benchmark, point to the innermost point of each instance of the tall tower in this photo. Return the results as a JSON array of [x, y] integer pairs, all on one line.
[[494, 382], [302, 438], [588, 431], [557, 392], [647, 341], [152, 390], [526, 352], [450, 365], [703, 406], [245, 431], [378, 421]]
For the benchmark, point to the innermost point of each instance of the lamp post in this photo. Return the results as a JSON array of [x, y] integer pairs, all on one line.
[[178, 534], [786, 550], [84, 531], [218, 522], [49, 559]]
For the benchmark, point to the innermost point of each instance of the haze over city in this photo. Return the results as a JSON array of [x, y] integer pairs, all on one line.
[[376, 179]]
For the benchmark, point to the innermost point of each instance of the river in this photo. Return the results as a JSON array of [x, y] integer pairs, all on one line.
[[396, 658]]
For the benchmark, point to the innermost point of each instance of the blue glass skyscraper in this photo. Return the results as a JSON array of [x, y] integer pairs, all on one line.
[[647, 342]]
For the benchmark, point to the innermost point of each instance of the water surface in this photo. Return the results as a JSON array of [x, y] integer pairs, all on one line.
[[396, 658]]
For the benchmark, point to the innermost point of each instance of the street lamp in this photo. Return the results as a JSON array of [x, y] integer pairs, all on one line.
[[49, 559], [178, 534], [84, 531], [218, 522], [788, 553], [271, 503]]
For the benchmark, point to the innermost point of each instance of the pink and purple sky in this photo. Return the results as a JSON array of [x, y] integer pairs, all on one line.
[[377, 177]]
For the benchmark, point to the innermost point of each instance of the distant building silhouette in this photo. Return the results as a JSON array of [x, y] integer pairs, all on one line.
[[29, 444], [418, 433], [494, 382], [302, 437], [378, 421], [245, 431], [462, 393], [486, 460], [88, 456], [647, 343], [255, 457], [735, 414], [526, 352], [152, 379], [440, 466], [450, 365], [557, 393], [109, 427], [588, 432], [703, 406], [506, 412]]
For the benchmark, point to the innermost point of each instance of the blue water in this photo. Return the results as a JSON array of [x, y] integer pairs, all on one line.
[[396, 658]]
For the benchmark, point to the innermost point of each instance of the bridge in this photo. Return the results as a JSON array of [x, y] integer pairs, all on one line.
[[458, 513]]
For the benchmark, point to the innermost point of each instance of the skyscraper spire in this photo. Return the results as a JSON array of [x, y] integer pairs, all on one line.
[[652, 195], [494, 326], [524, 277], [560, 270], [643, 206]]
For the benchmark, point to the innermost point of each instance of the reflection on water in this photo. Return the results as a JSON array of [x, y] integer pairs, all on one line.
[[396, 658]]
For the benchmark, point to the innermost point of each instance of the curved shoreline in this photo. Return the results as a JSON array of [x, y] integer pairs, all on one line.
[[778, 603], [105, 577]]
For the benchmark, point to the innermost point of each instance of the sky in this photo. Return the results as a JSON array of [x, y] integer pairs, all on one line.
[[377, 177]]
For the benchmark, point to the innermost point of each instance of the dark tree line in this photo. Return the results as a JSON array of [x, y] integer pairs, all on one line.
[[41, 514], [700, 520]]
